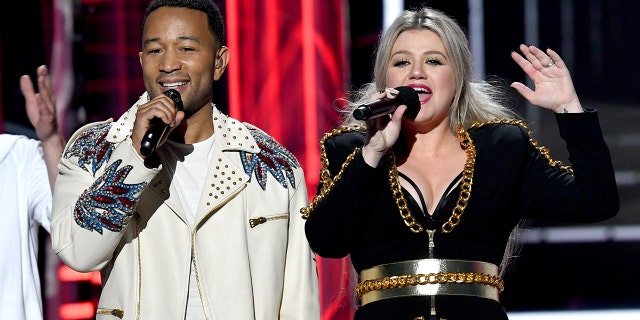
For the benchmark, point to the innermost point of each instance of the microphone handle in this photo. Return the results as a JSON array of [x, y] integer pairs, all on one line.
[[379, 108], [157, 127], [152, 137]]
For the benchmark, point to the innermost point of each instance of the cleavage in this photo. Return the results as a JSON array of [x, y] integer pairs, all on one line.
[[412, 190]]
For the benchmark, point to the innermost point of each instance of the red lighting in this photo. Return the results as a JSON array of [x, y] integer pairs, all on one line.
[[77, 310], [67, 274]]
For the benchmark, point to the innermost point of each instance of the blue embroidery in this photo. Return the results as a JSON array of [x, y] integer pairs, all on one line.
[[109, 202], [273, 158], [92, 148]]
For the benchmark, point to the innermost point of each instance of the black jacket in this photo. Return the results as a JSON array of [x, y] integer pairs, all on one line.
[[512, 180]]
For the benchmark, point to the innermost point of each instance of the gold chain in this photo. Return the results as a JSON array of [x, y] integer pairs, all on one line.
[[466, 143], [543, 150], [465, 188], [325, 176], [430, 278], [401, 202]]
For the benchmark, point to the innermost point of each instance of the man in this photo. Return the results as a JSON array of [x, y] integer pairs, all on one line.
[[207, 225], [28, 168]]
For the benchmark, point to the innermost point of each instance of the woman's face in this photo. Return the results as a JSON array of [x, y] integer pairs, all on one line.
[[419, 60]]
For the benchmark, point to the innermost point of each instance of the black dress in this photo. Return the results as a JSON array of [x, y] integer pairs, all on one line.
[[512, 180]]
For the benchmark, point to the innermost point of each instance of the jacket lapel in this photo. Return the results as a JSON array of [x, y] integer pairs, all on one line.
[[226, 176]]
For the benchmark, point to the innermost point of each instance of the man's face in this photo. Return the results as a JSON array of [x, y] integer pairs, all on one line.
[[178, 52]]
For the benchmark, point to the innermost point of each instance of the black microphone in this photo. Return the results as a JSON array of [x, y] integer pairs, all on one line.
[[383, 106], [157, 127]]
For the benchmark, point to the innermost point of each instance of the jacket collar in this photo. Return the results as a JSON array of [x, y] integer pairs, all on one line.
[[231, 134], [6, 144]]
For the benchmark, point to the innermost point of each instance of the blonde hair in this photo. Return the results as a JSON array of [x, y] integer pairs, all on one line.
[[474, 101]]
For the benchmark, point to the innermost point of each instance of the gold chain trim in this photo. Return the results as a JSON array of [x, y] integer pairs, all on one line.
[[543, 150], [431, 278], [325, 176], [465, 188], [466, 143]]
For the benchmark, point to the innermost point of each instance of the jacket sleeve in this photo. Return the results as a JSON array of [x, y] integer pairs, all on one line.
[[587, 191], [301, 297], [37, 179], [96, 191], [343, 198]]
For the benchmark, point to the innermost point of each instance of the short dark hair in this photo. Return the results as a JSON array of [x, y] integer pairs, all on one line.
[[216, 23]]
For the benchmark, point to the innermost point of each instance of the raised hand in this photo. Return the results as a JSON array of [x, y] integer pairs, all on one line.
[[41, 111], [553, 87], [41, 106]]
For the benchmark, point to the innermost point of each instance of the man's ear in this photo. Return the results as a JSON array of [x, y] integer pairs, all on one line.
[[222, 59]]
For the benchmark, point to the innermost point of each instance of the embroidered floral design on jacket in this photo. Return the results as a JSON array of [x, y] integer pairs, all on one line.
[[109, 202], [91, 148], [272, 157]]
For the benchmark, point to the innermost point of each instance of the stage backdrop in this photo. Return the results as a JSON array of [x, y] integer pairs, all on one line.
[[288, 65]]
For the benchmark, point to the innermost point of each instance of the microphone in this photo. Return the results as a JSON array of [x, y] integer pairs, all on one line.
[[383, 106], [157, 127]]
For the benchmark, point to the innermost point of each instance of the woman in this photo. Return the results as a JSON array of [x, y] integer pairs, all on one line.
[[425, 205]]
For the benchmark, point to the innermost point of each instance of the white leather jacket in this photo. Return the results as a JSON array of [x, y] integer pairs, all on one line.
[[113, 214]]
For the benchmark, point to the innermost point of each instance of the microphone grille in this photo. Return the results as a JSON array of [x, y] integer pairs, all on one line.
[[409, 97], [175, 96]]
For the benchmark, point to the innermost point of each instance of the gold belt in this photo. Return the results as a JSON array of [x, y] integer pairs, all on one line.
[[428, 277]]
